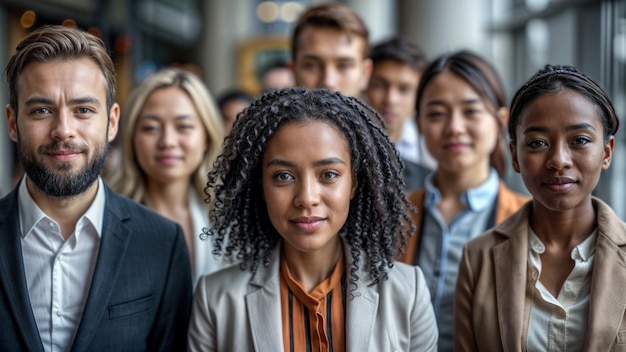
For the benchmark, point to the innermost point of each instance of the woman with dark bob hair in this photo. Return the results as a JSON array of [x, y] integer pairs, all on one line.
[[552, 276], [308, 197]]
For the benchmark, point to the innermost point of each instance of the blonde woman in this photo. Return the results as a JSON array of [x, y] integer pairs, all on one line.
[[172, 135]]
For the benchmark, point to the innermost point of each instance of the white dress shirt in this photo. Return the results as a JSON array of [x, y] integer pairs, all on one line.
[[58, 272], [560, 323]]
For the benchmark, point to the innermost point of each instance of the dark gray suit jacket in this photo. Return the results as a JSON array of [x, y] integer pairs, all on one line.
[[140, 295]]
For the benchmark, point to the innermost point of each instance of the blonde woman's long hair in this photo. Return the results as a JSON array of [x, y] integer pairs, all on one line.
[[130, 180]]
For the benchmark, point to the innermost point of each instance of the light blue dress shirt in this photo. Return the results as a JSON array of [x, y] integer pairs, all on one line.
[[440, 249]]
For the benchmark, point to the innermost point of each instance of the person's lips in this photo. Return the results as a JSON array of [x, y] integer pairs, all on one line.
[[559, 184], [168, 160], [308, 223]]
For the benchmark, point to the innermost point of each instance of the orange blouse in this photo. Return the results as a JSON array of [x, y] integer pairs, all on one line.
[[313, 321]]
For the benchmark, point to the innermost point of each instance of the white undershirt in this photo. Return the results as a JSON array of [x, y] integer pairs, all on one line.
[[560, 324], [58, 272]]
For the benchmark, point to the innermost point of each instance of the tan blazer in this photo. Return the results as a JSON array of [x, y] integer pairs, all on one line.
[[494, 291], [508, 203], [238, 311]]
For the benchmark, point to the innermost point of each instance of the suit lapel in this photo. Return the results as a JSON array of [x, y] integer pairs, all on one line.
[[608, 283], [263, 305], [361, 307], [360, 316], [113, 246], [12, 276], [511, 263]]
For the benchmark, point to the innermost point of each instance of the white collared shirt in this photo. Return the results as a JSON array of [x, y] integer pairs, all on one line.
[[58, 272], [560, 323]]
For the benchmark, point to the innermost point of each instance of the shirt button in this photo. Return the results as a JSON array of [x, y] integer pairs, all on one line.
[[59, 312], [60, 257]]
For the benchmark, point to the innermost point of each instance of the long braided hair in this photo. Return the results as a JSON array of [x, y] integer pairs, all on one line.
[[378, 222]]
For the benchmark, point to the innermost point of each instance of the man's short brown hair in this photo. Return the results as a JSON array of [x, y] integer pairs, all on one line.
[[330, 15], [58, 43]]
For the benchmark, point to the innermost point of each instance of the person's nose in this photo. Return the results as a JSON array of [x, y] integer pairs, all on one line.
[[560, 156], [64, 126], [330, 78], [168, 137], [307, 193], [456, 123]]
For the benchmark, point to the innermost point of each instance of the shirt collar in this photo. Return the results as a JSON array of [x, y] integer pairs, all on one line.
[[30, 214], [476, 199], [585, 249]]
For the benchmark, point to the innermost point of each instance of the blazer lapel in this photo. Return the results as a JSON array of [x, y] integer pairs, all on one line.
[[263, 305], [113, 246], [608, 283], [511, 263], [12, 276], [361, 307], [360, 316]]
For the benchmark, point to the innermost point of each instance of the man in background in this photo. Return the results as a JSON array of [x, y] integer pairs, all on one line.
[[329, 47], [397, 68], [277, 75]]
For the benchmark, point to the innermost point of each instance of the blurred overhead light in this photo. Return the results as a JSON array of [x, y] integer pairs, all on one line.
[[268, 11], [95, 31], [68, 22], [28, 19], [290, 11]]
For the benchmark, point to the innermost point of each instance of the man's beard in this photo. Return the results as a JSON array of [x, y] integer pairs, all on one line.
[[59, 184]]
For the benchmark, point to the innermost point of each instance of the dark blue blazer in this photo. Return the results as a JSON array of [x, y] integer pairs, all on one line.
[[141, 291]]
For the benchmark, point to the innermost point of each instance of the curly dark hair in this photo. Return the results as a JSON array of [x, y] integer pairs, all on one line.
[[378, 221], [554, 78]]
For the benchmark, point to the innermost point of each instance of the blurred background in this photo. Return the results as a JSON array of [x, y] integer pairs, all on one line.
[[228, 43]]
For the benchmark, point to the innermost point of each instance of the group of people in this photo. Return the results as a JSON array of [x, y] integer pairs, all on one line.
[[364, 209]]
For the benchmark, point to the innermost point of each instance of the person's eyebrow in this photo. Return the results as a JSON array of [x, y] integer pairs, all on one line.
[[323, 162], [578, 126], [88, 99]]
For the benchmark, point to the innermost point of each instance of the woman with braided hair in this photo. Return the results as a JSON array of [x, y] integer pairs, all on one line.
[[307, 196], [552, 276]]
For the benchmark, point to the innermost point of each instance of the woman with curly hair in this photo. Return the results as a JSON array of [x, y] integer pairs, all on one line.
[[308, 196]]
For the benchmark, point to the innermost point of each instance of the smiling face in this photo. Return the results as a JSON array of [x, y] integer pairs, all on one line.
[[308, 185], [560, 150], [63, 128], [330, 58], [460, 130], [392, 92], [170, 139]]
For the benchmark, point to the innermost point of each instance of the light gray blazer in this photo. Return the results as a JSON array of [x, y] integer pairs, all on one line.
[[235, 310]]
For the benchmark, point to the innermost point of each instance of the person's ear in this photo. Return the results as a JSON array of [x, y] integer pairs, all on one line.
[[608, 153], [292, 66], [514, 160], [114, 119], [503, 115], [11, 122], [355, 186], [368, 66]]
